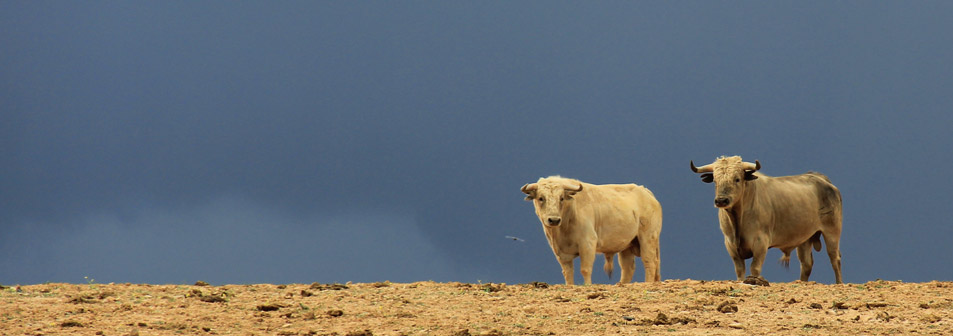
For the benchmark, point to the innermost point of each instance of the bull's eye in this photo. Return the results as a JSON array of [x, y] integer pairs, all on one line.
[[542, 199], [737, 180]]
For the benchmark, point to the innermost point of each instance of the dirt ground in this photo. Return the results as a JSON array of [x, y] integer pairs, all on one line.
[[673, 307]]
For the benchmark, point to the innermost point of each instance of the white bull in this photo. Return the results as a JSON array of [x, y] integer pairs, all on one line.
[[582, 219]]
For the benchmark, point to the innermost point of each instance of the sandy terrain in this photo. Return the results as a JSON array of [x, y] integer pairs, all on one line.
[[673, 307]]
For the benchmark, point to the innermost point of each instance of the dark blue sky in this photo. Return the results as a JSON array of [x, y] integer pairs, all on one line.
[[294, 142]]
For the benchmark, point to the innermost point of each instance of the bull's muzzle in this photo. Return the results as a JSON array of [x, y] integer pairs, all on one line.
[[553, 221], [722, 202]]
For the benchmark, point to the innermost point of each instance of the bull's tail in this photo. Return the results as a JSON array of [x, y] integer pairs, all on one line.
[[786, 260], [608, 265]]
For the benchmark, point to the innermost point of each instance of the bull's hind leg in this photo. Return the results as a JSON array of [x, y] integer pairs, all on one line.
[[806, 258], [833, 251], [627, 263], [649, 248]]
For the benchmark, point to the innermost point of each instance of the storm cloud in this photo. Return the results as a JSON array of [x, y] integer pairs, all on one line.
[[298, 142]]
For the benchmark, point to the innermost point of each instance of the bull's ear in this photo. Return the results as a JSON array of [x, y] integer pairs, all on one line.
[[749, 175], [530, 195], [529, 190], [708, 177]]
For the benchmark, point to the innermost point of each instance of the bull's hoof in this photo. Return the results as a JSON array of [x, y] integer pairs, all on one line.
[[757, 281]]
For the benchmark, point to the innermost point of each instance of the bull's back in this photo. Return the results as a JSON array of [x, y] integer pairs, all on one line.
[[798, 205], [616, 211], [622, 197], [621, 205]]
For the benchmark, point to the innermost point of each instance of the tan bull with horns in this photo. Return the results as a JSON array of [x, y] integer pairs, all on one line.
[[582, 219], [757, 212]]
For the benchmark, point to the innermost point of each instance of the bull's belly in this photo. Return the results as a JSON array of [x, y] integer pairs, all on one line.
[[744, 249], [790, 243], [613, 247]]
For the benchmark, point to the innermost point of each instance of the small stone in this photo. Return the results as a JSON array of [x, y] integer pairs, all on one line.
[[539, 284], [930, 318], [728, 307], [212, 298], [70, 324], [320, 286], [596, 296], [365, 332], [268, 307], [757, 281]]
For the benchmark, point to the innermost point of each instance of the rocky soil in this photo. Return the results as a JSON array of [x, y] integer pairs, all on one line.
[[676, 307]]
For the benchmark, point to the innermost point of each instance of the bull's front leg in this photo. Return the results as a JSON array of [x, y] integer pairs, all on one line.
[[739, 267], [739, 262], [565, 261], [587, 256], [759, 250]]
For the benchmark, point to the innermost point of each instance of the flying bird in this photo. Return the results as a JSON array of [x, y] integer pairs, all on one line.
[[516, 238]]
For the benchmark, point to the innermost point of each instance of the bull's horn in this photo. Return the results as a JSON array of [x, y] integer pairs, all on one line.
[[573, 189], [752, 166], [528, 188], [703, 169]]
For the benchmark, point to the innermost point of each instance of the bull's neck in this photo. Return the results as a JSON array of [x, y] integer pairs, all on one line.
[[734, 215], [736, 211], [750, 194], [554, 234]]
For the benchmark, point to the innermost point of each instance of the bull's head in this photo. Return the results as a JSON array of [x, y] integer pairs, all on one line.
[[730, 175], [550, 197]]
